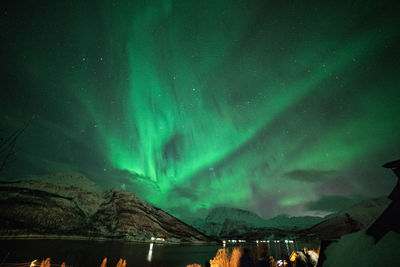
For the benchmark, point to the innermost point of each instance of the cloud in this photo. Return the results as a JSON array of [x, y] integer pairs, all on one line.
[[332, 203], [184, 192], [337, 186], [310, 175]]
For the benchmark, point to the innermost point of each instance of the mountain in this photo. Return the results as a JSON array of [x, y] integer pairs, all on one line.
[[64, 179], [220, 214], [366, 211], [285, 221], [223, 219], [41, 207], [232, 223], [349, 220], [123, 215], [52, 207]]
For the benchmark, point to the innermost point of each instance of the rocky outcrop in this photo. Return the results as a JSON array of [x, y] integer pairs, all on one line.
[[39, 207]]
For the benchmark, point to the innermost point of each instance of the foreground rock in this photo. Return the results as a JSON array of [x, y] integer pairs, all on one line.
[[42, 208]]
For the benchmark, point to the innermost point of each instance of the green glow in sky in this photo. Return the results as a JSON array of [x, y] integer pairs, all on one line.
[[196, 104]]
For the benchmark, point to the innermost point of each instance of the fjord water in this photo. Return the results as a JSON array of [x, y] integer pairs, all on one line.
[[91, 253]]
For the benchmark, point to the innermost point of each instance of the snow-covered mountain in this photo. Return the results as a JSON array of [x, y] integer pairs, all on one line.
[[349, 220], [367, 211], [224, 221], [221, 218], [285, 221], [220, 214]]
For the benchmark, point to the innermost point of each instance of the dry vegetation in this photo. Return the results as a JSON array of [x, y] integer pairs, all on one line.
[[47, 263], [224, 258]]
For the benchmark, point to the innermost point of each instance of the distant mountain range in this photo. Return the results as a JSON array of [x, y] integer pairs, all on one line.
[[69, 205], [232, 223], [225, 222]]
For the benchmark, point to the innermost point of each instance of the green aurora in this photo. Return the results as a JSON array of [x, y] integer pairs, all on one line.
[[268, 106]]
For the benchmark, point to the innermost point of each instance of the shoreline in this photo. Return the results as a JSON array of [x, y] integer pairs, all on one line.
[[100, 239]]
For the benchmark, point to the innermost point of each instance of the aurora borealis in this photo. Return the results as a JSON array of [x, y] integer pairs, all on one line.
[[275, 107]]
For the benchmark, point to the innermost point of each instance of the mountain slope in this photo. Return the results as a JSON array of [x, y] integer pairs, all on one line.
[[229, 223], [285, 221], [224, 222], [220, 214], [223, 219], [32, 207], [123, 215], [349, 220]]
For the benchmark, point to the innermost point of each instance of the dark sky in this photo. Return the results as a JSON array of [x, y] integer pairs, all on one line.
[[271, 106]]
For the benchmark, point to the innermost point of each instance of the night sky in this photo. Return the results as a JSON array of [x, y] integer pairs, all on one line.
[[271, 106]]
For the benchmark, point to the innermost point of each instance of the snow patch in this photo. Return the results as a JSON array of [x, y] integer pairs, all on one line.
[[359, 249]]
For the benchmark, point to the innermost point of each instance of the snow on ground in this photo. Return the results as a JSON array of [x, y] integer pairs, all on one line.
[[359, 249]]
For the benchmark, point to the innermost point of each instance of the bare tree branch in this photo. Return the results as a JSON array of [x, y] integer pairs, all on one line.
[[7, 146]]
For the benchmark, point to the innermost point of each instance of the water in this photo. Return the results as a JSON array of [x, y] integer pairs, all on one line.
[[91, 253]]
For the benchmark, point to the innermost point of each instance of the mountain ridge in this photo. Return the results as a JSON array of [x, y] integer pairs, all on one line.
[[41, 208]]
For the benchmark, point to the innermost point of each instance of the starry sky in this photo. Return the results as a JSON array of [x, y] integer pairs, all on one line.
[[271, 106]]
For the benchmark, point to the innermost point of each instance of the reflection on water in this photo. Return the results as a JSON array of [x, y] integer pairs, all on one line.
[[287, 247], [91, 253], [150, 254], [279, 249]]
